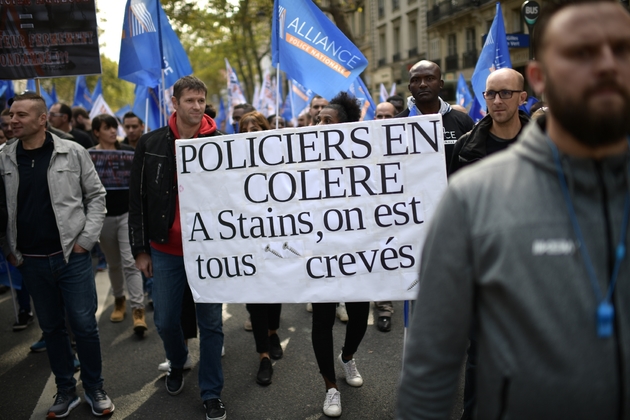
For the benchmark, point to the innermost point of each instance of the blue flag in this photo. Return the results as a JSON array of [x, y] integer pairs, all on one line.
[[149, 45], [312, 50], [527, 106], [463, 96], [98, 90], [300, 97], [30, 85], [476, 112], [220, 113], [360, 91], [47, 98], [6, 89], [147, 96], [53, 94], [9, 275], [494, 55], [82, 95]]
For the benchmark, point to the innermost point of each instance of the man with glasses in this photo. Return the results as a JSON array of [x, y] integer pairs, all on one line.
[[500, 127]]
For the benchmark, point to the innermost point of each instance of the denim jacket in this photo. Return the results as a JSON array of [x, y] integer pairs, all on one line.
[[76, 192]]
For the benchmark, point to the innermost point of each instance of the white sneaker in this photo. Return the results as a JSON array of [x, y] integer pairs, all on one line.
[[353, 377], [342, 314], [309, 307], [332, 403], [165, 366]]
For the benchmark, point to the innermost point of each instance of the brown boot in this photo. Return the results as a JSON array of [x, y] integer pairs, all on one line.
[[120, 306], [139, 324]]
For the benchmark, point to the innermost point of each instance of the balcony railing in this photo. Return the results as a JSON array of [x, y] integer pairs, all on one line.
[[396, 57], [413, 52], [452, 62], [381, 62], [470, 58], [449, 7]]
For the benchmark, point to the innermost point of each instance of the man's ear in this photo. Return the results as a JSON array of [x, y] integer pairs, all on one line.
[[522, 98], [536, 76]]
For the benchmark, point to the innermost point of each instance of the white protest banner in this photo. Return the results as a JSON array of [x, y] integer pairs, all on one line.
[[331, 213]]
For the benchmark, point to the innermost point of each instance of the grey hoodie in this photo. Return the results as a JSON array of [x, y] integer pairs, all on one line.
[[502, 242]]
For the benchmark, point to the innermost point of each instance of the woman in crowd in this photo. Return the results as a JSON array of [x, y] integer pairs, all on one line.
[[265, 317], [114, 238], [342, 108]]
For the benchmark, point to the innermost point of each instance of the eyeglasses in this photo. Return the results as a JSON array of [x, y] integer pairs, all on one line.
[[503, 94]]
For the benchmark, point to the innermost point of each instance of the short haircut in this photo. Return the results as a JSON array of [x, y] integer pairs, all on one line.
[[256, 117], [65, 109], [132, 115], [32, 96], [270, 119], [549, 9], [315, 97], [106, 119], [78, 111], [190, 83], [5, 112], [395, 98], [247, 108], [210, 111], [348, 107]]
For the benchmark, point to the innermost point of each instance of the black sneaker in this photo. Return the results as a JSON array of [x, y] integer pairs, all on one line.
[[215, 410], [265, 371], [101, 404], [275, 349], [174, 381], [24, 319], [65, 401]]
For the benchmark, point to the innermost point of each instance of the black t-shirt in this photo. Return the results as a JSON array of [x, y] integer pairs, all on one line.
[[37, 231], [495, 144], [82, 137]]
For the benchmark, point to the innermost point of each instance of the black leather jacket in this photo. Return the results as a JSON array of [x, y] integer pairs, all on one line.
[[153, 189]]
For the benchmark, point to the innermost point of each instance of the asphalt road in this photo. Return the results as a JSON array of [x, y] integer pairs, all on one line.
[[137, 387]]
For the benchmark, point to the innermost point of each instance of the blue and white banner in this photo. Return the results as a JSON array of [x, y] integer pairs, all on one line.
[[312, 50], [82, 95], [149, 44], [234, 92], [463, 96], [361, 92]]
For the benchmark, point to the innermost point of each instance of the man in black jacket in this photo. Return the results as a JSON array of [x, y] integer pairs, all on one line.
[[156, 243], [425, 82], [500, 127]]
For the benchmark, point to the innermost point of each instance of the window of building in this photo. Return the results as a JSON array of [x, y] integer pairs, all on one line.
[[381, 9], [382, 46], [395, 5], [517, 21], [471, 39], [434, 49], [452, 44], [413, 33], [362, 18]]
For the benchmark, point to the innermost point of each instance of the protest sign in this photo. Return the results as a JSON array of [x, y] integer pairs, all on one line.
[[113, 167], [48, 39], [330, 213]]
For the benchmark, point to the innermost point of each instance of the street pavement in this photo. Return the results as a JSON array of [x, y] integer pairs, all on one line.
[[137, 387]]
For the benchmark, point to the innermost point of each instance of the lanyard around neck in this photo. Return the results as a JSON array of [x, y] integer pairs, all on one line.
[[605, 310]]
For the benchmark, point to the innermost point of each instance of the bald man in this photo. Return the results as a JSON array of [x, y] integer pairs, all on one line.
[[425, 83], [500, 127], [385, 110]]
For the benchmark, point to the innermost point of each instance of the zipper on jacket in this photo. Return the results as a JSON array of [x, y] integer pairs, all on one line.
[[505, 393], [610, 260]]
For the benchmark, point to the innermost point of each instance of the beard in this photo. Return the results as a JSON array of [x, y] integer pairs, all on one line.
[[591, 127]]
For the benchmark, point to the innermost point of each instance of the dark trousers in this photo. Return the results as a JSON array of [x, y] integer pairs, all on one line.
[[264, 317], [189, 315], [322, 336]]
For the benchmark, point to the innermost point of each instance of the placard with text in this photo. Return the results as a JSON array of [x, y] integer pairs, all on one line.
[[330, 213]]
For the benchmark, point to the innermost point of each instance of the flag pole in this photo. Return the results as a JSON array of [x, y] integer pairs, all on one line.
[[290, 96], [159, 9], [146, 115], [277, 92]]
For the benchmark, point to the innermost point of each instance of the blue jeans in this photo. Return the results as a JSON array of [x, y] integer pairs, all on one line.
[[169, 280], [57, 288]]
